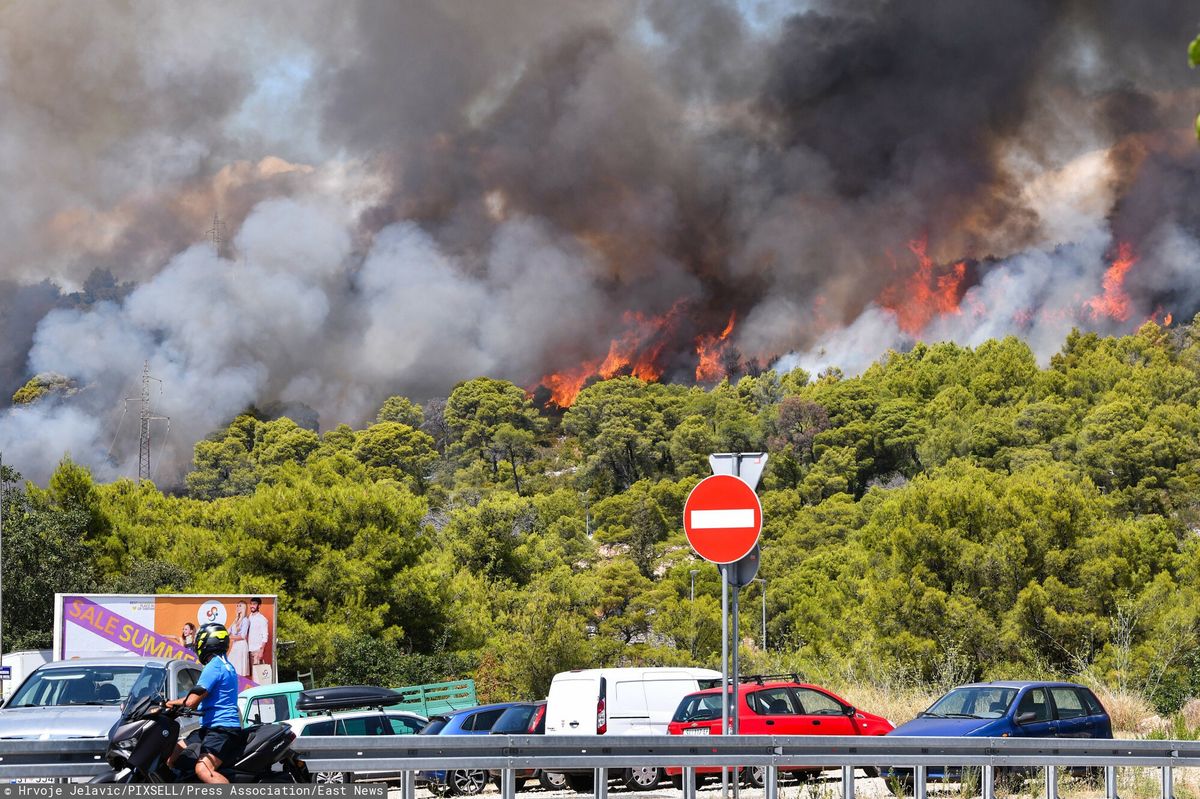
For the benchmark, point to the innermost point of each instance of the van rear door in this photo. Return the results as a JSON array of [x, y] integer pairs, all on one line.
[[664, 692], [571, 705]]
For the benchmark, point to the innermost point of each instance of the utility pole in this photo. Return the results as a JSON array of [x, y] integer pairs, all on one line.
[[147, 417], [763, 580], [216, 234], [3, 482]]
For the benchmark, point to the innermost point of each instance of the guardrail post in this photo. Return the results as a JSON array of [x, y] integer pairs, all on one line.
[[508, 783], [989, 781], [771, 782], [847, 782], [689, 782], [600, 783], [1051, 782], [408, 784], [920, 777], [1110, 782], [1168, 788]]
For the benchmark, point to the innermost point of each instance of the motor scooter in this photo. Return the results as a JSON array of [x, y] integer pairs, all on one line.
[[145, 736]]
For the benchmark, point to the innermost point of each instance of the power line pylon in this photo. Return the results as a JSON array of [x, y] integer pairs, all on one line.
[[216, 234], [147, 416]]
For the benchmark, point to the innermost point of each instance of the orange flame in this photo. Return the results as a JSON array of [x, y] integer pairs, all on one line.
[[709, 349], [924, 294], [565, 386], [1114, 302], [639, 351], [636, 352]]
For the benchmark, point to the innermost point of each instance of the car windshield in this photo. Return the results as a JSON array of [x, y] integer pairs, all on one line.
[[973, 702], [699, 707], [515, 720], [82, 685]]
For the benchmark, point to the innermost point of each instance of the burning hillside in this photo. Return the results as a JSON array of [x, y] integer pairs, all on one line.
[[550, 193]]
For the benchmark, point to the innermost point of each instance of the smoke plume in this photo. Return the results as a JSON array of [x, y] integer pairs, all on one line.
[[412, 194]]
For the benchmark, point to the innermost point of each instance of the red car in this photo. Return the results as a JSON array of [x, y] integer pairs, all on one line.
[[768, 706]]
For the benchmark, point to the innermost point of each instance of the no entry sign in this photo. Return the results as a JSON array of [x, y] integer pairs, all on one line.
[[722, 518]]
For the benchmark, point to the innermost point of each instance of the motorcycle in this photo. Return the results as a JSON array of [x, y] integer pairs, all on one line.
[[148, 730]]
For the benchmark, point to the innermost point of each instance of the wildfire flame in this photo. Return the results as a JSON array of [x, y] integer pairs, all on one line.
[[925, 293], [709, 350], [639, 351], [636, 352], [1114, 302]]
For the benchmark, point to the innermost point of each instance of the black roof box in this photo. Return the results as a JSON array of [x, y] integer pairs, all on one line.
[[347, 697]]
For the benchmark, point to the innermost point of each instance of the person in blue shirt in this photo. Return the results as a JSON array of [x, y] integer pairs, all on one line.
[[215, 694]]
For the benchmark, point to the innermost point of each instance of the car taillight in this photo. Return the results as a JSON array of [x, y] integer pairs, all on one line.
[[537, 717], [601, 708]]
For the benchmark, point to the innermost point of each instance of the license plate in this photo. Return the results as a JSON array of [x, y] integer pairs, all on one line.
[[696, 731]]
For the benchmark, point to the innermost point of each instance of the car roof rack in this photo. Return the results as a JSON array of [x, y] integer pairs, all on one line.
[[762, 678], [347, 697]]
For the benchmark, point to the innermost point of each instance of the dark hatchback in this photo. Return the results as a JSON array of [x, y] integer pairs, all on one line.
[[1006, 709], [471, 721], [527, 718]]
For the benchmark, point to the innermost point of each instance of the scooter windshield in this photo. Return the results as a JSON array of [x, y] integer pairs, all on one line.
[[149, 688]]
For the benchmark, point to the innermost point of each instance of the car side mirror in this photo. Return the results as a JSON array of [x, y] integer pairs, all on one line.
[[849, 710], [1026, 717]]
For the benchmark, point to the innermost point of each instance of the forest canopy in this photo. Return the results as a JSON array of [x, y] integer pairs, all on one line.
[[951, 513]]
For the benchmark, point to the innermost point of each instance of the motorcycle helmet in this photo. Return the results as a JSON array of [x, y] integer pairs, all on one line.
[[211, 639]]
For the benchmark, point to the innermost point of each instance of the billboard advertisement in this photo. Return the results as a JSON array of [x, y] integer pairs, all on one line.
[[164, 625]]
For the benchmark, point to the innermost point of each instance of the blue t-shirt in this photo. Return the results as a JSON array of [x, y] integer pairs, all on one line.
[[220, 680]]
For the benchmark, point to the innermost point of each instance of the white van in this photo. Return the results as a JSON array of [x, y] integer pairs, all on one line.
[[631, 701], [20, 665]]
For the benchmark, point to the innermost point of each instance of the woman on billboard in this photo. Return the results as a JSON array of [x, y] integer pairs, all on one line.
[[239, 650]]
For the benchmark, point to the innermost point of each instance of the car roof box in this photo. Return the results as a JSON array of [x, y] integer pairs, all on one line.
[[346, 697]]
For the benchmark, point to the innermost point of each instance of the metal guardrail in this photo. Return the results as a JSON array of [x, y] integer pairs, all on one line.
[[84, 757]]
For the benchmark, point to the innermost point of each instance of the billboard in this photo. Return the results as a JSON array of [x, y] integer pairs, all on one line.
[[164, 625]]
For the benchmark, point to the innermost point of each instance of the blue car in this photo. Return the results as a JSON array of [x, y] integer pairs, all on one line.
[[471, 721], [1006, 709]]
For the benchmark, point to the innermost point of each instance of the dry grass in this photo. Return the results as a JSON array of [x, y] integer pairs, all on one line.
[[895, 703], [1132, 715], [1191, 715]]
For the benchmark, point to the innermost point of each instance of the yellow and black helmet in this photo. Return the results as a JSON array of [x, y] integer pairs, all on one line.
[[211, 639]]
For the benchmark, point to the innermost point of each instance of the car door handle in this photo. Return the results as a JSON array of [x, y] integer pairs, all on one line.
[[770, 723], [574, 724], [816, 722]]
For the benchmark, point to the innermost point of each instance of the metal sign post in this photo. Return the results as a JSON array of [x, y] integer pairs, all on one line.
[[747, 467]]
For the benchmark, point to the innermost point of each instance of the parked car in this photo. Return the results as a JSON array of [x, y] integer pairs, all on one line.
[[82, 698], [527, 718], [277, 701], [629, 701], [20, 664], [1006, 709], [768, 705], [358, 722], [471, 721]]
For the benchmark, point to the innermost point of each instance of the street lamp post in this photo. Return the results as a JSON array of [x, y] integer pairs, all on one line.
[[694, 572], [763, 580]]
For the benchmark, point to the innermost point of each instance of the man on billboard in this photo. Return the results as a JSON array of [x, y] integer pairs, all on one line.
[[258, 635]]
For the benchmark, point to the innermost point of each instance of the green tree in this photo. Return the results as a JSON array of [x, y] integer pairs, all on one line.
[[492, 420], [401, 409], [391, 450], [45, 551]]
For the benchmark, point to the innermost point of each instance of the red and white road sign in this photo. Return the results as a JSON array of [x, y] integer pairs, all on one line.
[[722, 518]]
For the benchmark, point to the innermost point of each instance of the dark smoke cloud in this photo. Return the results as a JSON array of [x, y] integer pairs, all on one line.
[[419, 192]]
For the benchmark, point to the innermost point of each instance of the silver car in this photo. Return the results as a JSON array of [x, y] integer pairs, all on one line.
[[82, 698]]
